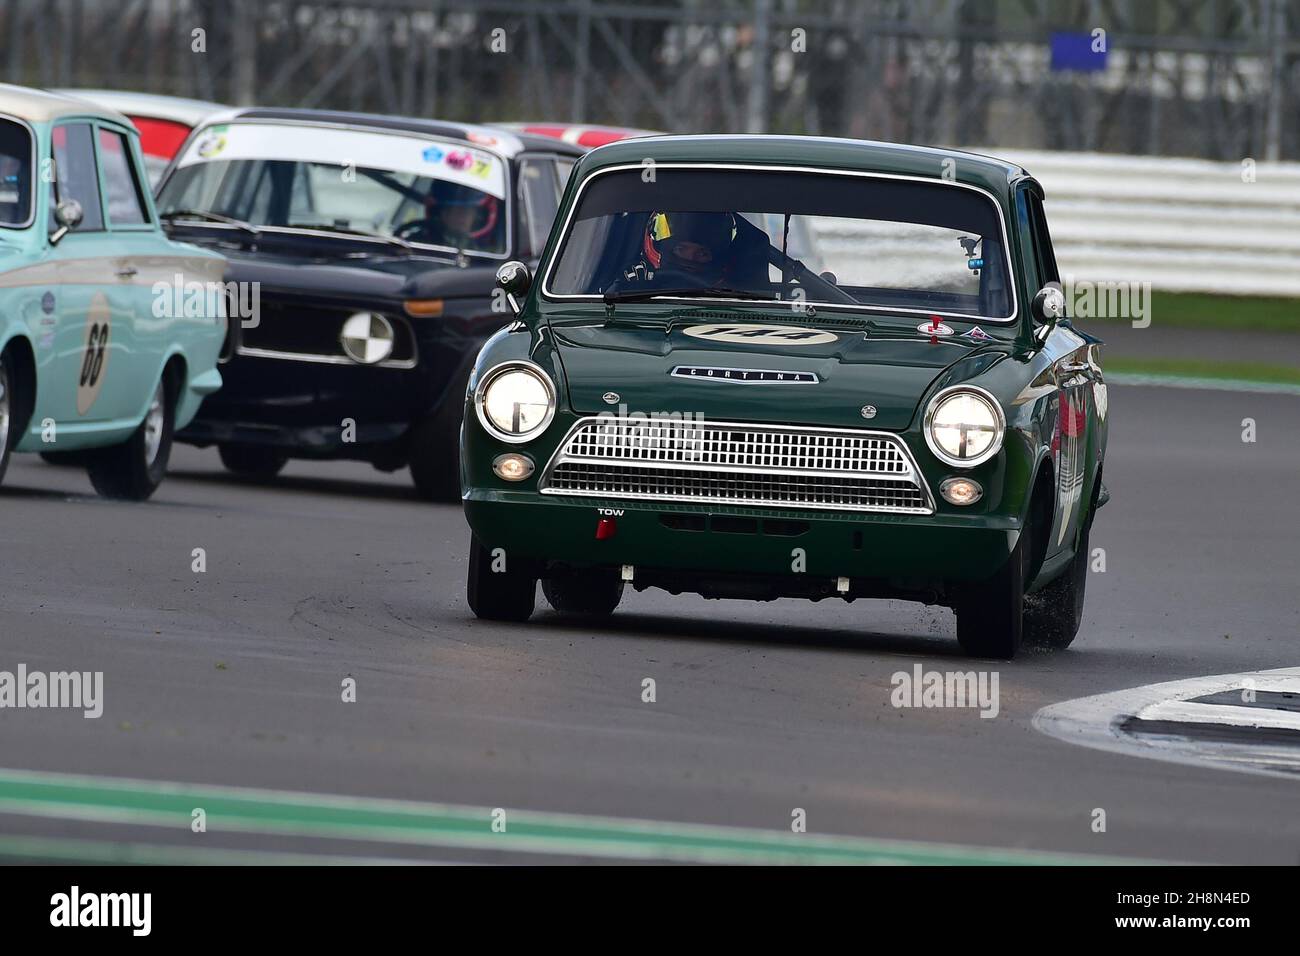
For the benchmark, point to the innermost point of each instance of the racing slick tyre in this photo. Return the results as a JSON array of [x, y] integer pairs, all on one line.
[[252, 461], [133, 470], [64, 459], [499, 588], [7, 410], [1053, 613], [595, 592], [990, 615], [433, 453]]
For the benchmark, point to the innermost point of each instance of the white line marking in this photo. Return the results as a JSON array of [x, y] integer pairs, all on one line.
[[1095, 722], [1187, 713]]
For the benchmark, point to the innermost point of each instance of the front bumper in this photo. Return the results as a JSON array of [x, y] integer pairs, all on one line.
[[899, 552]]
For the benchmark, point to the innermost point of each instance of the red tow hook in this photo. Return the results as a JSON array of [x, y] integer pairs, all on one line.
[[605, 529]]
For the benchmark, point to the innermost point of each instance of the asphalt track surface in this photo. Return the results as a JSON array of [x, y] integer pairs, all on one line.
[[231, 678]]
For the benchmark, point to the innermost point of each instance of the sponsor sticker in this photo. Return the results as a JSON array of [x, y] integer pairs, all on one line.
[[393, 151], [978, 334], [934, 327], [212, 143]]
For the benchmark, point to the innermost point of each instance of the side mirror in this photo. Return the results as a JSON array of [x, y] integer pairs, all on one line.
[[1048, 306], [514, 280], [68, 215]]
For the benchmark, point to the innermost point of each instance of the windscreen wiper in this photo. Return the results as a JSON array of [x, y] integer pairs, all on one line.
[[349, 231], [704, 292], [172, 214]]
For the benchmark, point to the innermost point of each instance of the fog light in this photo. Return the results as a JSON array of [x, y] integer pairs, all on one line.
[[512, 466], [961, 491]]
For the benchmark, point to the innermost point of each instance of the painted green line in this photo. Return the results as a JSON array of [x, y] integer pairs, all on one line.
[[68, 850], [228, 809], [1266, 373]]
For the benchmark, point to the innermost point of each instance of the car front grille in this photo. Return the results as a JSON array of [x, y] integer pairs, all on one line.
[[311, 334], [737, 464]]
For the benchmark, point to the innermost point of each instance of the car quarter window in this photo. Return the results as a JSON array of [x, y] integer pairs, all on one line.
[[564, 168], [539, 200], [126, 203], [1045, 258], [75, 175]]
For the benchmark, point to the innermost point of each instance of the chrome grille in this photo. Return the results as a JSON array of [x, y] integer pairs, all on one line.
[[742, 464]]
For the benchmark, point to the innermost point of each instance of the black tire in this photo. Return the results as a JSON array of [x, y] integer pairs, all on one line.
[[433, 453], [594, 592], [990, 615], [133, 470], [506, 593], [1053, 613], [64, 459], [8, 411], [252, 461]]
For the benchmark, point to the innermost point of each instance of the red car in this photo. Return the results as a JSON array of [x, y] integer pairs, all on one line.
[[163, 121], [578, 134]]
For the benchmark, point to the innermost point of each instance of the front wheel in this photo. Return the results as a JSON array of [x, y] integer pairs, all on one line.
[[595, 592], [1053, 613], [990, 615], [499, 587], [433, 452], [133, 470], [64, 459], [252, 461], [7, 378]]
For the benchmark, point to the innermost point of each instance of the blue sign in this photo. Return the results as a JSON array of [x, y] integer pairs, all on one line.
[[1075, 51]]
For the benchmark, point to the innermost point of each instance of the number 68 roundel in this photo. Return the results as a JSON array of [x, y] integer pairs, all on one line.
[[94, 358]]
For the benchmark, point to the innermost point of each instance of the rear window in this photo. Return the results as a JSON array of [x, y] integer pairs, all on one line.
[[15, 174]]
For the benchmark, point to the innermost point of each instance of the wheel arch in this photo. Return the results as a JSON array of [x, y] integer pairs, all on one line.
[[175, 371], [20, 348], [1040, 513]]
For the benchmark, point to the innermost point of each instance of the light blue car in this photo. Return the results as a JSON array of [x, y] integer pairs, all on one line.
[[110, 333]]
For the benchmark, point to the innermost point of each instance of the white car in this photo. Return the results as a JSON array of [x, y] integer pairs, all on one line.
[[163, 121]]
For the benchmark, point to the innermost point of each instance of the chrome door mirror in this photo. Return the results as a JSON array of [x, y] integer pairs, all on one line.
[[514, 279], [1049, 305], [68, 215]]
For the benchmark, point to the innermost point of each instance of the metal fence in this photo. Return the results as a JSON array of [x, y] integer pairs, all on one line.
[[1216, 79]]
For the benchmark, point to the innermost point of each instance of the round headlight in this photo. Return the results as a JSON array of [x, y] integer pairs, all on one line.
[[515, 401], [964, 426]]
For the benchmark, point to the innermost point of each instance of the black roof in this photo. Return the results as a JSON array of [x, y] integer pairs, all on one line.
[[411, 124]]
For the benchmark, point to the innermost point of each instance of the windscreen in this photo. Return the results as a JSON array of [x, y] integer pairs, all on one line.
[[427, 193], [15, 174], [844, 240]]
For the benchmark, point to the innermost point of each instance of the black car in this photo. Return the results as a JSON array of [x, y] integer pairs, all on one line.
[[363, 251]]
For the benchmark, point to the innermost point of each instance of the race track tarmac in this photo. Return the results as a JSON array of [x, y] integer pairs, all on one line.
[[232, 679]]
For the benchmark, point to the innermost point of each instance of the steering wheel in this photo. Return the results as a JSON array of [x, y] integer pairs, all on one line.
[[408, 229], [807, 277], [669, 280]]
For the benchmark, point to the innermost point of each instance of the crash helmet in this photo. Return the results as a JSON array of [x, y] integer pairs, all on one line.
[[695, 242], [448, 195]]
